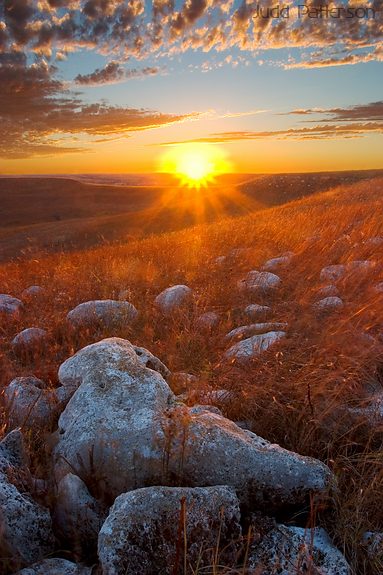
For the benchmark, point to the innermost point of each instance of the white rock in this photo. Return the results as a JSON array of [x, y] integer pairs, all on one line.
[[207, 321], [123, 429], [32, 292], [141, 532], [106, 313], [246, 331], [287, 550], [26, 533], [373, 542], [329, 304], [173, 298], [55, 566], [10, 306], [333, 273], [29, 406], [278, 263], [109, 350], [254, 346], [255, 311], [77, 517], [29, 338], [256, 281]]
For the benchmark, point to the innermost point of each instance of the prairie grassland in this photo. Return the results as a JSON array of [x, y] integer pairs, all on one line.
[[303, 394]]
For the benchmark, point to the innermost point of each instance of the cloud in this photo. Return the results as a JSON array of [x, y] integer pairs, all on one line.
[[360, 112], [113, 73], [36, 108]]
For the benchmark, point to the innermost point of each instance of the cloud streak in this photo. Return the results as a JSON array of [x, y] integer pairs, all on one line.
[[113, 73]]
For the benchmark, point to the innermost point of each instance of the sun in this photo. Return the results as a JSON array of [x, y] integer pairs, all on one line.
[[195, 164]]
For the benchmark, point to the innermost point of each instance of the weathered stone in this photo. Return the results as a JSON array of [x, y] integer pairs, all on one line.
[[174, 298], [123, 429], [327, 291], [55, 566], [10, 306], [278, 263], [246, 331], [147, 359], [29, 406], [32, 292], [287, 550], [208, 321], [29, 339], [77, 517], [373, 543], [256, 312], [146, 529], [328, 305], [253, 347], [104, 313], [259, 282]]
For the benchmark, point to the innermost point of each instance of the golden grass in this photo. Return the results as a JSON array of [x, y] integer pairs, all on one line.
[[299, 393]]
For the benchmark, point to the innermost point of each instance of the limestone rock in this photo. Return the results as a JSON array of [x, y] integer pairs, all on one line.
[[77, 517], [104, 313], [253, 347], [246, 331], [10, 306], [259, 282], [257, 312], [174, 298], [328, 305], [55, 566], [29, 339], [29, 406], [32, 292], [287, 550], [142, 531]]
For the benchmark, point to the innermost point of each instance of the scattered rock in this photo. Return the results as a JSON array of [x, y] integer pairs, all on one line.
[[145, 530], [32, 292], [333, 273], [198, 409], [259, 282], [378, 288], [257, 312], [374, 242], [123, 429], [327, 291], [246, 331], [328, 305], [147, 359], [287, 550], [279, 262], [29, 339], [77, 517], [29, 405], [10, 306], [207, 321], [254, 346], [174, 298], [373, 543], [106, 313], [26, 533], [55, 566]]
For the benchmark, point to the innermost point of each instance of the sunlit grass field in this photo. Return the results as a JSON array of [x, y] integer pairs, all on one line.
[[304, 393]]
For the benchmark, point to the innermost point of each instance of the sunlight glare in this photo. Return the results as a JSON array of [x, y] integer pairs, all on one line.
[[195, 164]]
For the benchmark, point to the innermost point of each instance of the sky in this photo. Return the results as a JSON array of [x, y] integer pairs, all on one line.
[[109, 86]]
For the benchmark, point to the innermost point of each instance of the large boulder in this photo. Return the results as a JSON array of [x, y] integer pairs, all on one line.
[[77, 517], [253, 347], [28, 405], [123, 429], [259, 282], [55, 566], [10, 306], [287, 550], [106, 313], [174, 298], [147, 530], [26, 531], [108, 352]]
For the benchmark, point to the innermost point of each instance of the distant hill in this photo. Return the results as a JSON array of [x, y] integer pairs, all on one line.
[[61, 213]]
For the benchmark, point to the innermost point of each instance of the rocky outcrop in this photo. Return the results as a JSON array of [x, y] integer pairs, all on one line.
[[159, 529], [123, 429], [106, 313], [287, 550], [77, 517], [26, 533]]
